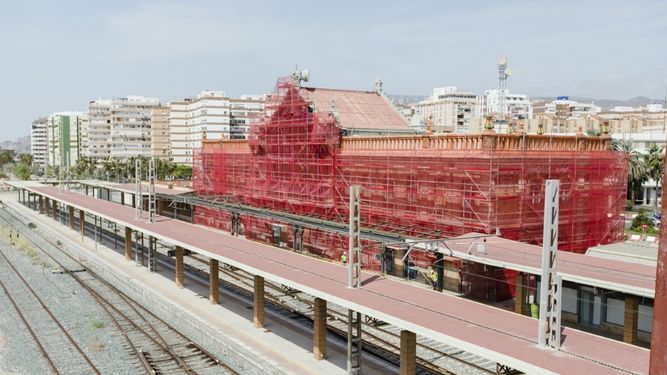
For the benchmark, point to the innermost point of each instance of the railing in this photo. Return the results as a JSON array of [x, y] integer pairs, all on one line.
[[462, 142]]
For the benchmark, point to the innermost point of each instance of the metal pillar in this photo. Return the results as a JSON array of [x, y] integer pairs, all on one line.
[[258, 303], [354, 343], [439, 270], [214, 288], [71, 217], [128, 243], [179, 266], [82, 223], [152, 253], [354, 245], [138, 251], [151, 191], [95, 217], [550, 287], [138, 206]]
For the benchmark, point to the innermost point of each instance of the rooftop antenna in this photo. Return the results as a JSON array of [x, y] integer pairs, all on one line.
[[503, 74], [300, 76]]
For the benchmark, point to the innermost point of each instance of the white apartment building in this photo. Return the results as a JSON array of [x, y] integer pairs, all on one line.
[[212, 115], [516, 106], [38, 141], [449, 110], [99, 130], [64, 134], [131, 127], [243, 110]]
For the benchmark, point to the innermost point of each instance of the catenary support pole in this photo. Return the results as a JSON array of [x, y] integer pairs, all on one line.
[[179, 266], [408, 360]]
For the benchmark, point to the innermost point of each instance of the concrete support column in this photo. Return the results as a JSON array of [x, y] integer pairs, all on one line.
[[82, 222], [520, 293], [658, 361], [320, 329], [54, 210], [122, 198], [213, 282], [71, 217], [258, 303], [128, 243], [408, 353], [41, 205], [399, 266], [134, 200], [179, 266], [630, 319], [47, 209]]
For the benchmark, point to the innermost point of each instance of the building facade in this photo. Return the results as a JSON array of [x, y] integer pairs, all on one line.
[[160, 132], [39, 141], [449, 110], [64, 138], [131, 127], [99, 130], [515, 106], [211, 115]]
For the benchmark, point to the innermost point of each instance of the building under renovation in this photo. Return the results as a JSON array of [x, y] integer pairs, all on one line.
[[311, 144]]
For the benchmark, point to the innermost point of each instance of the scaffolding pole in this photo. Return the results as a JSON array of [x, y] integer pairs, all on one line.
[[354, 245]]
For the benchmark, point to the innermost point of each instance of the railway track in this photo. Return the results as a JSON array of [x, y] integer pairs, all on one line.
[[380, 339], [61, 352], [157, 347]]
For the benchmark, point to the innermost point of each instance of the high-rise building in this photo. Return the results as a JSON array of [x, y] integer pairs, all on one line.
[[515, 106], [64, 138], [38, 141], [449, 110], [160, 132], [131, 127], [210, 115], [242, 111], [99, 130]]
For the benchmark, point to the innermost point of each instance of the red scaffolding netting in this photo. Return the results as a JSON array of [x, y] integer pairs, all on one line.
[[298, 160]]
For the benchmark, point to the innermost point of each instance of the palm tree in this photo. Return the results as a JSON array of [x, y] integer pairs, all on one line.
[[637, 172], [655, 167]]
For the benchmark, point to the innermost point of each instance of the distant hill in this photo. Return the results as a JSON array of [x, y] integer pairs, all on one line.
[[20, 145]]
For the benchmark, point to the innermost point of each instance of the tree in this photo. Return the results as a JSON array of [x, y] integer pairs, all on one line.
[[655, 167], [636, 166], [6, 156], [22, 171], [26, 159], [183, 172]]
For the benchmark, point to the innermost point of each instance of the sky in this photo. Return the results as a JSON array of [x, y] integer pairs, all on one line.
[[59, 55]]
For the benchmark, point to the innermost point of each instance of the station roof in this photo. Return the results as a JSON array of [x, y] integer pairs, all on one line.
[[476, 328], [642, 252], [611, 274], [363, 110]]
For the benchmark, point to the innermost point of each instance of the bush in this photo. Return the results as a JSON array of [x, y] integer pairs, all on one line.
[[641, 219], [628, 205]]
